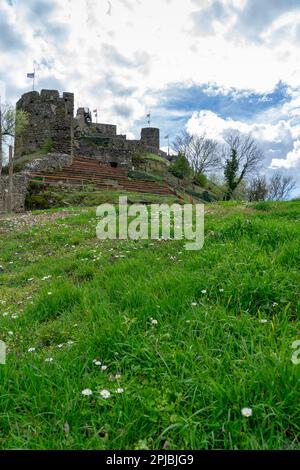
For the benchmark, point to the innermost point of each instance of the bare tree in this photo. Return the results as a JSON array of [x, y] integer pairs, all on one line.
[[280, 187], [258, 189], [241, 156], [12, 123], [202, 153]]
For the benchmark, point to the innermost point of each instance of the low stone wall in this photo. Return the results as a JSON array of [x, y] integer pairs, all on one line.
[[123, 158], [51, 161], [151, 166], [20, 182]]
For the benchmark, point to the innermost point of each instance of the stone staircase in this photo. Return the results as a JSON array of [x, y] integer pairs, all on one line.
[[86, 170]]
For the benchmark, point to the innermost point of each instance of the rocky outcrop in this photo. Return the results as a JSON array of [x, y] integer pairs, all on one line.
[[49, 162]]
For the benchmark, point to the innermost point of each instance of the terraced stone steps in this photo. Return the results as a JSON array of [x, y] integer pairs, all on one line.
[[86, 170]]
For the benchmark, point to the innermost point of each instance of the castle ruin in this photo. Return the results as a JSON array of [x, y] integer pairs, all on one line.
[[63, 149], [51, 118]]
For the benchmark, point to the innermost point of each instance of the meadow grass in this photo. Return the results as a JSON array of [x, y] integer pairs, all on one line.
[[187, 339]]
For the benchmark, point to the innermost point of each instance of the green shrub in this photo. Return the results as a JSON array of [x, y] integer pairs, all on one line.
[[143, 176], [262, 206], [47, 146], [181, 167], [202, 180]]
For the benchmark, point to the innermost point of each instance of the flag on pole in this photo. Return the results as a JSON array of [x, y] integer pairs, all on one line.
[[95, 111], [149, 119], [32, 76]]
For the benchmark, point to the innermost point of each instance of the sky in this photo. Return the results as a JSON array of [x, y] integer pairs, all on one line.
[[196, 65]]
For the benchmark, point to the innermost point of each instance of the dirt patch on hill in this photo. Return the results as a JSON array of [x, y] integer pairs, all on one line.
[[29, 219]]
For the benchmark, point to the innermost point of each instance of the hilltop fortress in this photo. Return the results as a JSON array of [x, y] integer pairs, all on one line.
[[51, 118], [60, 149]]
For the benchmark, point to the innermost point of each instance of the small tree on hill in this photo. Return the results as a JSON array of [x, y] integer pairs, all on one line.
[[180, 168], [258, 189], [230, 174], [280, 187], [242, 157], [12, 123], [202, 153]]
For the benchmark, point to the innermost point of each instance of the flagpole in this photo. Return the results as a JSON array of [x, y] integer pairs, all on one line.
[[168, 137], [33, 79]]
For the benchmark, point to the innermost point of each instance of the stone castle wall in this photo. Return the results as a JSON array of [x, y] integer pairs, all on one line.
[[50, 117], [20, 182], [49, 162]]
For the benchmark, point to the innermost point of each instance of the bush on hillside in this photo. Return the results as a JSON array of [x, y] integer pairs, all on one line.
[[180, 167]]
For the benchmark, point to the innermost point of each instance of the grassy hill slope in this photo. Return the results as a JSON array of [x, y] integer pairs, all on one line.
[[187, 339]]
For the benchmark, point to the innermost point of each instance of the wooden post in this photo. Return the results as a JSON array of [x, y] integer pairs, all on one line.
[[10, 179], [1, 154]]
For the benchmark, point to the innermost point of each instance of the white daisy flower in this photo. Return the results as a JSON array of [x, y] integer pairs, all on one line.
[[96, 362], [87, 392], [103, 367], [105, 394], [194, 304], [204, 291], [118, 376], [263, 320], [49, 359], [154, 322], [247, 412], [120, 390], [31, 349]]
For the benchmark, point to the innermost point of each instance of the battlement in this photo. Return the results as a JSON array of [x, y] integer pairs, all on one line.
[[45, 95]]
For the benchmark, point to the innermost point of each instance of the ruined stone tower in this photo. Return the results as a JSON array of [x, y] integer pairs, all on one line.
[[50, 117], [150, 138]]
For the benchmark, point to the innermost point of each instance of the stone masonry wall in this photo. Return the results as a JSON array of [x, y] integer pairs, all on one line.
[[50, 117], [49, 162], [150, 137], [20, 182]]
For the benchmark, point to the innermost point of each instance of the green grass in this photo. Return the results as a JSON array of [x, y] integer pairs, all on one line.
[[186, 378], [41, 196], [157, 158]]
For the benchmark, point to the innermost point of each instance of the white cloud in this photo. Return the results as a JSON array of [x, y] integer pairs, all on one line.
[[117, 58], [215, 127], [292, 159]]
